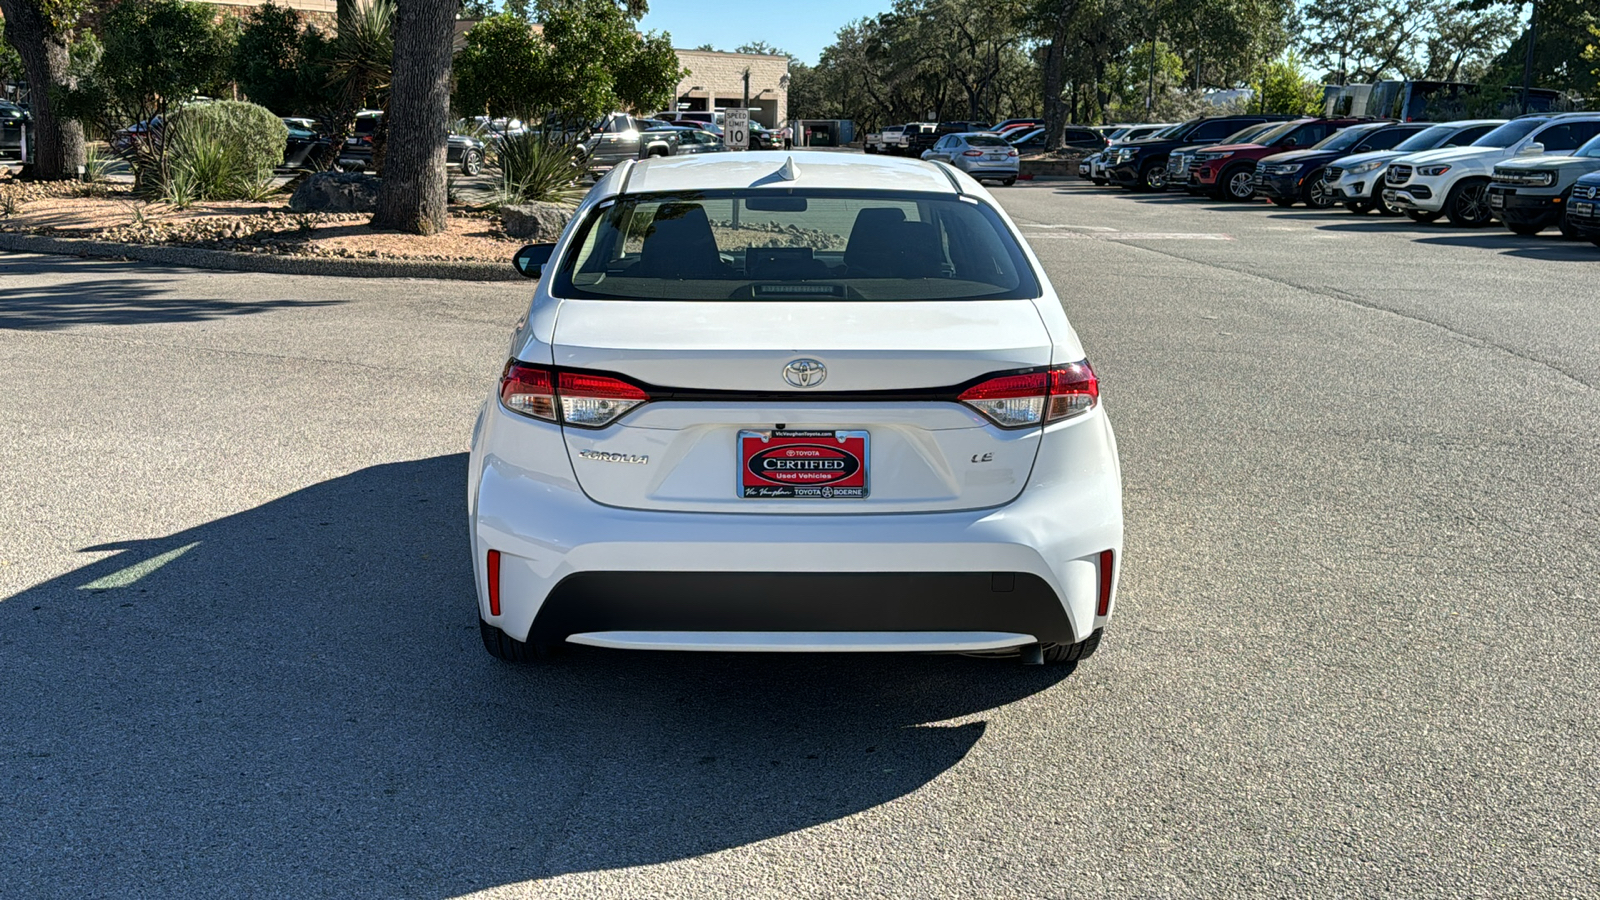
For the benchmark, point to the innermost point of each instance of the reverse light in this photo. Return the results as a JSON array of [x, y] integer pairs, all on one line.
[[1017, 401], [580, 399]]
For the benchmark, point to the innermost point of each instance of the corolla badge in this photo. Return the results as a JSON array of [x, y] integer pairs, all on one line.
[[804, 373]]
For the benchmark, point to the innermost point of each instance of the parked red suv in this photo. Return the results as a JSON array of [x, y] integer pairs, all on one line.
[[1227, 171]]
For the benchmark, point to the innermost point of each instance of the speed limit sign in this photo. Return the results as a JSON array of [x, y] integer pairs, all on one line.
[[736, 128]]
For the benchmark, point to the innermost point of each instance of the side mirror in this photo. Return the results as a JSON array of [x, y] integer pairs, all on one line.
[[531, 260], [1533, 149], [1291, 142]]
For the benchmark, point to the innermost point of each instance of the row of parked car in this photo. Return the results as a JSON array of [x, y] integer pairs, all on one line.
[[1530, 173]]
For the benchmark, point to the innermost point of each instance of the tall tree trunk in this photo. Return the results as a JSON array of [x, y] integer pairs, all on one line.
[[413, 197], [1055, 63], [56, 144]]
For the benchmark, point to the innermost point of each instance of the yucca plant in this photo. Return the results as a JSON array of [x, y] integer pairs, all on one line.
[[534, 168]]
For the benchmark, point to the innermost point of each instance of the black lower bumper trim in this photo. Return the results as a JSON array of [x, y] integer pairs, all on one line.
[[802, 601]]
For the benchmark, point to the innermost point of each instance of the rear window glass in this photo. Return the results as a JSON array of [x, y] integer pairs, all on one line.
[[786, 245], [986, 140]]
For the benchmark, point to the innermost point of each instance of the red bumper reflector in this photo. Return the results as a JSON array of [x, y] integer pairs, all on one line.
[[1105, 583], [494, 583]]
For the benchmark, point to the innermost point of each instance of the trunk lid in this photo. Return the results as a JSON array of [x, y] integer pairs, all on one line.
[[717, 369]]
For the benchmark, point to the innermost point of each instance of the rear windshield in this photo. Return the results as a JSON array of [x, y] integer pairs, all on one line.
[[986, 140], [791, 244], [1509, 133]]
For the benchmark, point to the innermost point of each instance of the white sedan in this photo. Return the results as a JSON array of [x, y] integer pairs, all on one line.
[[794, 402], [982, 155]]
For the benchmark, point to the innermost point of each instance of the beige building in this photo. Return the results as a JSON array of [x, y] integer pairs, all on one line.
[[718, 80]]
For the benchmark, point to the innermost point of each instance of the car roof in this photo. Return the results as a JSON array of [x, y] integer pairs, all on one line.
[[815, 169]]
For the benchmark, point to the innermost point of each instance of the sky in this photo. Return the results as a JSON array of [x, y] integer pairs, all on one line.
[[802, 28]]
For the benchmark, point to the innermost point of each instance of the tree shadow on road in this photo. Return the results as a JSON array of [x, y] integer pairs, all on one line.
[[294, 700], [107, 292]]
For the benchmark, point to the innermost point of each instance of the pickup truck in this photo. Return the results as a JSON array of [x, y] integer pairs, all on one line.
[[619, 136]]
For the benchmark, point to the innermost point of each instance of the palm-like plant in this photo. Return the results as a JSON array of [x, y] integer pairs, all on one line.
[[363, 58]]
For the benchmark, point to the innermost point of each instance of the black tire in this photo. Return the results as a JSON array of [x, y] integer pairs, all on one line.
[[1595, 240], [1317, 195], [1282, 202], [1100, 182], [1008, 182], [1526, 229], [1152, 177], [1237, 184], [1072, 654], [1418, 215], [1382, 205], [1359, 207], [504, 647], [471, 162], [1468, 204], [1568, 233]]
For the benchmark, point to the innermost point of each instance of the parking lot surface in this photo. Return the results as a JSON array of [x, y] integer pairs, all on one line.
[[1354, 654]]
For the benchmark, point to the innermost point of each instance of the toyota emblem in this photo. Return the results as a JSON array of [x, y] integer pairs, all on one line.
[[804, 373]]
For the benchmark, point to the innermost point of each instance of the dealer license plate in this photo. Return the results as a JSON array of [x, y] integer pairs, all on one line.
[[1581, 208], [1497, 200], [807, 464]]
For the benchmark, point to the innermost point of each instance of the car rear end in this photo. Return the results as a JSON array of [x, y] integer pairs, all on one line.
[[795, 417], [987, 156]]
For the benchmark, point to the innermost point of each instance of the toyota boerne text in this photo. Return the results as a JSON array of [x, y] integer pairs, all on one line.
[[794, 402]]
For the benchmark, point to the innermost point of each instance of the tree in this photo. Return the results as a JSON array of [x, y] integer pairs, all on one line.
[[498, 71], [41, 33], [160, 52], [413, 195], [476, 9], [760, 48], [280, 61], [598, 61], [1285, 91]]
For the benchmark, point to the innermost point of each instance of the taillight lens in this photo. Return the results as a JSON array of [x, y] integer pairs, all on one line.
[[528, 390], [572, 398], [973, 153], [1017, 401], [1011, 153], [591, 401]]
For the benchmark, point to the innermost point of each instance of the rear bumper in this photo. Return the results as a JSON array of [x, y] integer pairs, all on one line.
[[569, 565]]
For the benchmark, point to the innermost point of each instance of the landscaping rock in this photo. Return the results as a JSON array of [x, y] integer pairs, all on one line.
[[337, 192], [540, 223]]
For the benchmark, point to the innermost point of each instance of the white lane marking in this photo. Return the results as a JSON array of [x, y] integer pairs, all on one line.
[[124, 577], [1134, 236], [1075, 227]]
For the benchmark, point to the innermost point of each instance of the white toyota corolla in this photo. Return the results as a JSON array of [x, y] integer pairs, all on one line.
[[794, 402]]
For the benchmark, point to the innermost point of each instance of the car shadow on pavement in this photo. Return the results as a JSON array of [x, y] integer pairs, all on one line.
[[1549, 246], [293, 700], [106, 292]]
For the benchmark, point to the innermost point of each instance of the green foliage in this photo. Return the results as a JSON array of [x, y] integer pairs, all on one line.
[[158, 52], [498, 71], [590, 59], [476, 9], [222, 150], [10, 63], [1284, 90], [761, 48], [363, 51], [280, 61], [529, 167], [1565, 35], [1130, 79]]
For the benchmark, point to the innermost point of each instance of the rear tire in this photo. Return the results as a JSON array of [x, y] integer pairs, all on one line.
[[1468, 204], [1072, 654], [1421, 215], [506, 648], [1008, 182]]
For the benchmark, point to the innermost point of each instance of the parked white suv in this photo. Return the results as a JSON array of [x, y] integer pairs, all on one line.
[[1357, 181], [1454, 182]]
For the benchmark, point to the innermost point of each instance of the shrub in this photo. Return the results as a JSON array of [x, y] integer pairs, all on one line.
[[224, 149], [533, 168]]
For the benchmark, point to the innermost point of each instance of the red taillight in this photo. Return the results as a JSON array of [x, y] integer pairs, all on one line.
[[494, 582], [572, 398], [1106, 571], [528, 390], [1016, 401], [973, 153], [1012, 152]]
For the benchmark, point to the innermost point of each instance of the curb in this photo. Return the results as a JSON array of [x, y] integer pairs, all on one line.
[[231, 261]]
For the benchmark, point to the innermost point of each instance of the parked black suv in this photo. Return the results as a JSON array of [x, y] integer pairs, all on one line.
[[1583, 209], [1299, 175], [1142, 165]]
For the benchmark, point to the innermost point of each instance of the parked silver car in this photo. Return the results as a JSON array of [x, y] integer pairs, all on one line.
[[979, 154]]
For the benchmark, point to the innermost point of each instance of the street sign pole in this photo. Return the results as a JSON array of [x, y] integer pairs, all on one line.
[[736, 129]]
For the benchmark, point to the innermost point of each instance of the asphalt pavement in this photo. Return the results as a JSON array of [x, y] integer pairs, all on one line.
[[1354, 651]]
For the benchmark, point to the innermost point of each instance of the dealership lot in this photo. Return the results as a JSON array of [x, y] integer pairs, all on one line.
[[1354, 654]]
